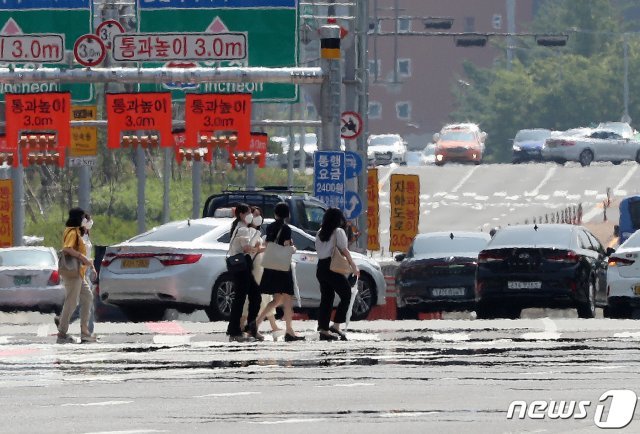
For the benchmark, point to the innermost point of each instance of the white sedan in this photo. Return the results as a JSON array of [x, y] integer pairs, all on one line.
[[29, 280], [181, 265], [623, 279], [598, 145]]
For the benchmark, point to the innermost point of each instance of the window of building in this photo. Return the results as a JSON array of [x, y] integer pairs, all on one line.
[[374, 26], [404, 24], [469, 24], [403, 110], [404, 67], [374, 68], [375, 110]]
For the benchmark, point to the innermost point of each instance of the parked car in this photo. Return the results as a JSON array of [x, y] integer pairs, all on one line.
[[181, 265], [384, 149], [458, 145], [306, 211], [547, 265], [428, 155], [623, 279], [596, 145], [629, 220], [29, 280], [438, 273], [527, 144]]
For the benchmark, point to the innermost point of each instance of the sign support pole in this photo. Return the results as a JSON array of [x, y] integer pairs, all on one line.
[[362, 79], [142, 180], [331, 87], [17, 176], [196, 184]]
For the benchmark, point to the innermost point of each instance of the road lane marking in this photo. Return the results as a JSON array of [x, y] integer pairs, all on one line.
[[95, 404], [546, 178], [172, 339], [408, 414], [627, 335], [166, 328], [132, 431], [597, 210], [348, 385], [464, 179], [225, 395], [276, 422], [5, 339], [550, 331], [43, 331], [453, 337]]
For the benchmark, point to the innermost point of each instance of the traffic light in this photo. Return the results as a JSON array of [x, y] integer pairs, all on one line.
[[441, 23], [471, 40], [552, 40]]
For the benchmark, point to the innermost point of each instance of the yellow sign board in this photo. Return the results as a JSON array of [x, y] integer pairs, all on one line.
[[405, 211], [6, 213], [84, 140], [373, 220]]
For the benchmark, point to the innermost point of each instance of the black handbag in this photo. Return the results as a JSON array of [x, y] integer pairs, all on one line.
[[238, 262]]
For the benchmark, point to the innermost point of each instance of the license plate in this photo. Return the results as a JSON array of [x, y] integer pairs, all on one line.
[[524, 285], [447, 292], [21, 280], [636, 289], [135, 263]]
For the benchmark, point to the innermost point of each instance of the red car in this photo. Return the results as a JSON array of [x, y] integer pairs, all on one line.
[[461, 145]]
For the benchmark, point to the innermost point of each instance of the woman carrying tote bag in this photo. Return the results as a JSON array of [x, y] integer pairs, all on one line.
[[276, 282], [331, 237]]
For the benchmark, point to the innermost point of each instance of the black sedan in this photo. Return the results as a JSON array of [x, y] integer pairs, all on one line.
[[550, 265], [438, 273]]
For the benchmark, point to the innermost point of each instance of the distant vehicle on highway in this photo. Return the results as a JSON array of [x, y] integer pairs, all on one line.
[[527, 144], [547, 265], [623, 279], [384, 149], [428, 155], [438, 273], [597, 145], [181, 265], [458, 145], [29, 280], [622, 128]]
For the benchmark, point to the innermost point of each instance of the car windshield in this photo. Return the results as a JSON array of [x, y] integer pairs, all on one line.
[[619, 127], [458, 136], [633, 240], [444, 244], [383, 141], [17, 258], [314, 214], [187, 231], [526, 135], [527, 236]]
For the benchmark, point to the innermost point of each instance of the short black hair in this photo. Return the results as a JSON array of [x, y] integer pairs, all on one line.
[[281, 210]]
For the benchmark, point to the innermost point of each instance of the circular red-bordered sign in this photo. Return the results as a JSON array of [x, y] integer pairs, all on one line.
[[107, 30], [89, 50], [350, 125]]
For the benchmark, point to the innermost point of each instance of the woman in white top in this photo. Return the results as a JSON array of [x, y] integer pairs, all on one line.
[[245, 285], [330, 236]]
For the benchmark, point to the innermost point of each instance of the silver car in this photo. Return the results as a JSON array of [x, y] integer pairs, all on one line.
[[182, 265], [29, 280], [596, 145]]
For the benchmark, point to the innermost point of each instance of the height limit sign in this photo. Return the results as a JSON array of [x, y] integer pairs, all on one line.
[[89, 50]]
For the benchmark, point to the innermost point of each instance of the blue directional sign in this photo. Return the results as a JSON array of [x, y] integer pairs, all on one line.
[[329, 177], [353, 164], [352, 205]]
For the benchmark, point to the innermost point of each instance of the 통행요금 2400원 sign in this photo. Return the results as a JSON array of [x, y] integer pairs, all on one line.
[[256, 33], [329, 177], [70, 18]]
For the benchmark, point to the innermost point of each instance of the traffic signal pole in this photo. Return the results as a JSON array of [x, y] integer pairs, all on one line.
[[331, 87]]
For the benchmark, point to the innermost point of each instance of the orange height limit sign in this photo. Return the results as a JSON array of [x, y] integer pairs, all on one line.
[[208, 113], [405, 211], [6, 213], [373, 207], [146, 112]]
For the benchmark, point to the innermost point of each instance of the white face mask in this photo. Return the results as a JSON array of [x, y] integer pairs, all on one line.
[[257, 220], [248, 218], [87, 224]]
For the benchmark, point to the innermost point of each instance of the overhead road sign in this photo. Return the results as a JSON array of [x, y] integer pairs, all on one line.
[[69, 19], [36, 48], [270, 26]]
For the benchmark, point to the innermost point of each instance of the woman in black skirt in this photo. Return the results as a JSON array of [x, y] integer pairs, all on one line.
[[330, 236], [279, 283]]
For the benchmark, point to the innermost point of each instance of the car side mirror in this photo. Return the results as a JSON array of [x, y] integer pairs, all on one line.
[[400, 257], [610, 251]]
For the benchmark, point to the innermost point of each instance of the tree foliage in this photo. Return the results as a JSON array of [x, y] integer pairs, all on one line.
[[556, 88]]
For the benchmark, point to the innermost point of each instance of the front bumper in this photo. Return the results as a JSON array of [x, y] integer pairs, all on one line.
[[527, 154]]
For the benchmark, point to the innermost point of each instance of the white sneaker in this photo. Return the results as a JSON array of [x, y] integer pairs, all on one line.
[[65, 339], [88, 339]]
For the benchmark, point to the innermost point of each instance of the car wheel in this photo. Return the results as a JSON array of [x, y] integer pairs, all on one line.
[[638, 157], [617, 163], [619, 312], [144, 313], [484, 311], [222, 296], [585, 158], [365, 299], [439, 163], [587, 309], [406, 313]]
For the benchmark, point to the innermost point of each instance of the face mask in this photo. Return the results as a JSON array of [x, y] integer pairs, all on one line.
[[248, 219], [87, 224], [257, 221]]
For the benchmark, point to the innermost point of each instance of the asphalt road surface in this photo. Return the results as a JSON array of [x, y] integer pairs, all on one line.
[[446, 376]]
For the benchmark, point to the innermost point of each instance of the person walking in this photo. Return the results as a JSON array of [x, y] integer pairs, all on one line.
[[280, 283], [75, 286], [244, 284], [257, 242], [332, 236]]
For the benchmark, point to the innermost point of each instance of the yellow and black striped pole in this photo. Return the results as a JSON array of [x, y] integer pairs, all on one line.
[[331, 87]]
